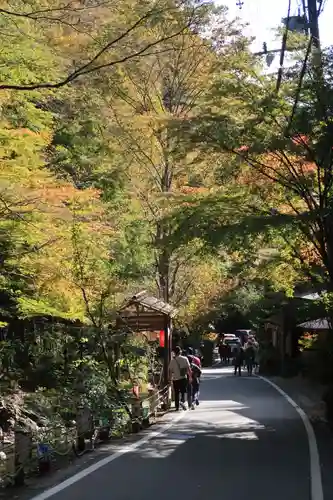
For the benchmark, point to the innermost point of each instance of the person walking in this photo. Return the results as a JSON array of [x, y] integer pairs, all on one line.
[[192, 357], [181, 376], [194, 386], [228, 354], [238, 359], [256, 357], [223, 352], [249, 357]]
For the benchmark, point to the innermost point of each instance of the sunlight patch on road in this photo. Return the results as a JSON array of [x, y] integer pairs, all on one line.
[[234, 421], [231, 418], [248, 436], [216, 411], [218, 371], [164, 447], [242, 425], [223, 404], [211, 377]]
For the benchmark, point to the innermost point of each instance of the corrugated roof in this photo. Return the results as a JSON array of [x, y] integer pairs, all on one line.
[[146, 300], [317, 324]]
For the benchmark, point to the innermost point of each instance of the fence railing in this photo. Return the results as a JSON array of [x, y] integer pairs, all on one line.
[[23, 454]]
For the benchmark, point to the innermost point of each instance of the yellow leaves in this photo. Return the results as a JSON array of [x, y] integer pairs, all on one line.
[[52, 266], [209, 336], [20, 156], [190, 190], [41, 210], [12, 137], [56, 192], [24, 177], [206, 283]]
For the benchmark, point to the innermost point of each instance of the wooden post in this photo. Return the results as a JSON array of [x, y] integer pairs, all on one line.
[[23, 451], [83, 426], [154, 401], [167, 351], [136, 415], [167, 358]]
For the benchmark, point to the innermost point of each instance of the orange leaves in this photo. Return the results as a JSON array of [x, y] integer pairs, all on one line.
[[56, 194], [269, 172], [310, 255], [242, 149], [22, 131], [250, 176], [275, 163], [286, 164], [300, 140]]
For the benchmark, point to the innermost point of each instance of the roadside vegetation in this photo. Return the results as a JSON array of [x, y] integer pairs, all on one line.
[[144, 147]]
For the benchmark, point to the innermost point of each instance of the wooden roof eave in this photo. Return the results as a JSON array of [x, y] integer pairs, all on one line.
[[149, 302]]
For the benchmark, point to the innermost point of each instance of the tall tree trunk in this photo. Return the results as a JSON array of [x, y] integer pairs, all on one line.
[[162, 229]]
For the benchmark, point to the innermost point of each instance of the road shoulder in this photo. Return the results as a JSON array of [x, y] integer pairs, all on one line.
[[308, 396], [36, 485]]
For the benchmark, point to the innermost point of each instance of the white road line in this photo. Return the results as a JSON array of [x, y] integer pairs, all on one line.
[[315, 469], [89, 470]]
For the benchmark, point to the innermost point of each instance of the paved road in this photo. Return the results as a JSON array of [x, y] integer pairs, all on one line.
[[244, 442]]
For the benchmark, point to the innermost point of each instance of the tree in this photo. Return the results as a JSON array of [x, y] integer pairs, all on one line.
[[102, 32], [156, 95], [54, 215], [283, 145]]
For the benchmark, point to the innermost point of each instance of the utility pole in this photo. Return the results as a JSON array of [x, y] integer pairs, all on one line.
[[314, 8], [306, 22], [313, 16]]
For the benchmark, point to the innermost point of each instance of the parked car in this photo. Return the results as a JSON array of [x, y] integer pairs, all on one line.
[[232, 342], [230, 337]]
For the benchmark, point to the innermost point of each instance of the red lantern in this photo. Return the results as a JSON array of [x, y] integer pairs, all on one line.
[[162, 338]]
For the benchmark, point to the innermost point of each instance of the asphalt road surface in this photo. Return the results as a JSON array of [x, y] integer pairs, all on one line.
[[244, 442]]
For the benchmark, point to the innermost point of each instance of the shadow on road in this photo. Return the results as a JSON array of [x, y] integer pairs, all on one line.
[[244, 442]]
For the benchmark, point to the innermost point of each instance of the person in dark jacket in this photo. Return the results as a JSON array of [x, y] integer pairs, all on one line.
[[229, 354], [223, 350], [249, 357], [238, 359]]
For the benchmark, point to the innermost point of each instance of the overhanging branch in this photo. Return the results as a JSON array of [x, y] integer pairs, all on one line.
[[93, 66]]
